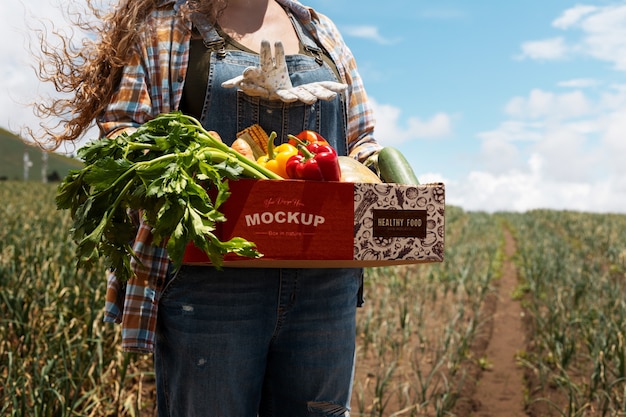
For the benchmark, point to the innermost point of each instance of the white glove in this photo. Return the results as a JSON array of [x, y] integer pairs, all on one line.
[[271, 80]]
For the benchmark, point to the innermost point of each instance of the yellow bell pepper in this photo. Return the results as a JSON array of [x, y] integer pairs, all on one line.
[[276, 158]]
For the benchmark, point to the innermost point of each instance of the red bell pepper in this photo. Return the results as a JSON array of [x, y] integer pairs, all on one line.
[[320, 163], [307, 137]]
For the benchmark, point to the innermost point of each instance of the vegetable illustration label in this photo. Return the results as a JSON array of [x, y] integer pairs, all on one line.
[[399, 222]]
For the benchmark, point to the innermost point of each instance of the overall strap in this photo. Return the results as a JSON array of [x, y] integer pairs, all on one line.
[[213, 41], [307, 40]]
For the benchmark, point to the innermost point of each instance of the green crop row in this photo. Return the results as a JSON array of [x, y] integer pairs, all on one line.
[[572, 269], [57, 357], [418, 324]]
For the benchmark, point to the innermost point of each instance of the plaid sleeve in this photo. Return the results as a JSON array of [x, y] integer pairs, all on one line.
[[131, 105], [152, 81], [116, 291], [142, 293], [361, 142]]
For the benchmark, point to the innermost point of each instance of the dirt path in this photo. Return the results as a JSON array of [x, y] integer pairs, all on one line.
[[501, 387]]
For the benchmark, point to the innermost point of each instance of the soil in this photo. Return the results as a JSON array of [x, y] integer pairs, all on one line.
[[497, 383], [500, 388]]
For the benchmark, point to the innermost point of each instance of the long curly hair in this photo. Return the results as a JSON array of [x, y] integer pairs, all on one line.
[[88, 74]]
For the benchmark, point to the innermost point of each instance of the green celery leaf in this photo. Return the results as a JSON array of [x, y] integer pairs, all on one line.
[[229, 169], [72, 191], [103, 173], [169, 216]]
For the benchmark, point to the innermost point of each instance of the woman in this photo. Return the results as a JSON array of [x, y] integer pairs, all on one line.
[[237, 342]]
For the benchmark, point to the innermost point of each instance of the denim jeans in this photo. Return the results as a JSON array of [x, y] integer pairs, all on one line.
[[248, 342]]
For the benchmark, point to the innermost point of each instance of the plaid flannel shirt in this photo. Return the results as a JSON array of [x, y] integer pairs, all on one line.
[[152, 83]]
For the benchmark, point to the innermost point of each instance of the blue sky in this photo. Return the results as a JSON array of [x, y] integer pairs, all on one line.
[[514, 105]]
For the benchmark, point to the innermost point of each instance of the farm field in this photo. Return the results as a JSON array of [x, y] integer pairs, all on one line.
[[430, 337]]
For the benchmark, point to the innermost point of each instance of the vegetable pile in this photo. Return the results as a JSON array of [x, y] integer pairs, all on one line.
[[175, 174], [306, 156], [163, 170]]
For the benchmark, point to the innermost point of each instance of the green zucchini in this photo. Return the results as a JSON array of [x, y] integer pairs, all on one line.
[[394, 168]]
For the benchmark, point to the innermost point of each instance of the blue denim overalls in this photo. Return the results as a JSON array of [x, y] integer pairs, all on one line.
[[228, 113], [266, 342]]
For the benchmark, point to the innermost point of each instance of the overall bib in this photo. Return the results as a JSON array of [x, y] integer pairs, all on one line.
[[228, 111], [259, 342]]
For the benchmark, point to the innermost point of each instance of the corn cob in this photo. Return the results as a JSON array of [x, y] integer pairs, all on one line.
[[257, 138]]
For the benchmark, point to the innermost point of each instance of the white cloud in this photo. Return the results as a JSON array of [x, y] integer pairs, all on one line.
[[541, 103], [368, 32], [614, 141], [567, 155], [20, 86], [514, 131], [391, 130], [564, 151], [613, 97], [500, 156], [573, 16], [526, 190], [558, 151], [580, 83], [602, 36], [546, 49]]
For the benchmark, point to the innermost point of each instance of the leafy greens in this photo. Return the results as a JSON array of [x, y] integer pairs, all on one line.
[[162, 171]]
